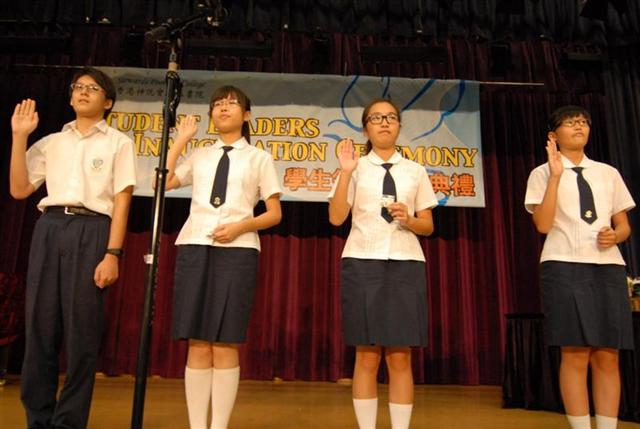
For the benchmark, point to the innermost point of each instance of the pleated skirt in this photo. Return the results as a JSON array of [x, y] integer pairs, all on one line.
[[586, 305], [213, 293], [384, 302]]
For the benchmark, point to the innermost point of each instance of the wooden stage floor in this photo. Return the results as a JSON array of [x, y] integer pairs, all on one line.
[[296, 405]]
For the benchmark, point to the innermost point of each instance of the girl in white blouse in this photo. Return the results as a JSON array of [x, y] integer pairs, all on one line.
[[581, 205], [218, 251], [383, 266]]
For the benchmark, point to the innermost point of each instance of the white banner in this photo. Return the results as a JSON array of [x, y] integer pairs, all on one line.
[[299, 119]]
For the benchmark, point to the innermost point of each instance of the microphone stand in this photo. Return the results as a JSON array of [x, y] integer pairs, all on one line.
[[214, 14], [173, 89]]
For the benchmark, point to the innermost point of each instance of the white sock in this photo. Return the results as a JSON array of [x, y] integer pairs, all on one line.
[[579, 422], [197, 387], [400, 415], [366, 412], [604, 422], [224, 387]]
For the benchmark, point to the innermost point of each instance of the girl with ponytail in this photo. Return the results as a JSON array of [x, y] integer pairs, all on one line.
[[218, 249]]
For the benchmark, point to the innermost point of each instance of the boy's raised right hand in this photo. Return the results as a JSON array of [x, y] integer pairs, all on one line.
[[25, 118]]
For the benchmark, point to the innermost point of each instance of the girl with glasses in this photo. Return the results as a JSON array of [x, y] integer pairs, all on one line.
[[384, 303], [581, 205], [218, 249]]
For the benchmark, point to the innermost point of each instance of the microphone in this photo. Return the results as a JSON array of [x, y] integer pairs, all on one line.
[[211, 10], [160, 32]]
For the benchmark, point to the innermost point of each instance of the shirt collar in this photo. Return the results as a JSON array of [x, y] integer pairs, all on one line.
[[238, 144], [99, 126], [585, 162], [376, 160]]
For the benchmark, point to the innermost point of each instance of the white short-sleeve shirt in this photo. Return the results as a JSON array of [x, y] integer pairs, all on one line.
[[82, 170], [571, 239], [371, 236], [252, 176]]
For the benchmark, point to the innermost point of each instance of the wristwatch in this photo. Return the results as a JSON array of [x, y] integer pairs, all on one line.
[[115, 252]]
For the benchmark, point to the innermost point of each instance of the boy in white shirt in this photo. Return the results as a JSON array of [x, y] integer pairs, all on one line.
[[89, 169]]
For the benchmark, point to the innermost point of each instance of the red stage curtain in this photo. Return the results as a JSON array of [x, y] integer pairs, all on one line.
[[481, 263]]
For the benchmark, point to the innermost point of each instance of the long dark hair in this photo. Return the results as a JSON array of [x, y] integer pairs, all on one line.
[[235, 92], [365, 116]]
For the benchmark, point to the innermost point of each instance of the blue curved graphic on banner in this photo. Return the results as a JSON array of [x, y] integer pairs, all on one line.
[[333, 137], [419, 95], [346, 120], [443, 115], [385, 94]]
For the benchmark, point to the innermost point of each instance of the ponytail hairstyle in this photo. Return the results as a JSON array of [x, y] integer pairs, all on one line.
[[365, 116], [245, 103]]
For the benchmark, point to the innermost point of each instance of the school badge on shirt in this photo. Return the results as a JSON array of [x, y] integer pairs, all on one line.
[[96, 164]]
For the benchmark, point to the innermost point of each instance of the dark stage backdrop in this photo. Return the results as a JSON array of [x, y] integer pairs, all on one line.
[[481, 263]]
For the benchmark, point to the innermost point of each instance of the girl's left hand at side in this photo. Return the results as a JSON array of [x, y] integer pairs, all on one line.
[[400, 212], [227, 232], [606, 237]]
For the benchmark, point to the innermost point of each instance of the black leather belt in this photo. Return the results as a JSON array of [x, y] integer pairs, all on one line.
[[72, 211]]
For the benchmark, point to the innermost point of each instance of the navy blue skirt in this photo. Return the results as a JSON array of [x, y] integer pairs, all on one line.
[[213, 293], [586, 305], [384, 303]]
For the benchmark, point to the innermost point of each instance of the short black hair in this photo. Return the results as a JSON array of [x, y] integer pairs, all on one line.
[[566, 112], [102, 79]]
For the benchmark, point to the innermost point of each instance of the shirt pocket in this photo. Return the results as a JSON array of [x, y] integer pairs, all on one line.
[[368, 193], [603, 194], [247, 178], [97, 163], [407, 189]]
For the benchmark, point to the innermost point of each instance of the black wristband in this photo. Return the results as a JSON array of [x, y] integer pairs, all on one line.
[[115, 252]]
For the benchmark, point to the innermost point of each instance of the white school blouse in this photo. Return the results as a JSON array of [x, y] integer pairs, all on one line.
[[252, 176], [82, 170], [372, 237], [571, 239]]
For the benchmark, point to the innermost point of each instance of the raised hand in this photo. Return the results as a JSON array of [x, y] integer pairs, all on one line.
[[25, 118], [347, 155], [187, 128], [555, 159]]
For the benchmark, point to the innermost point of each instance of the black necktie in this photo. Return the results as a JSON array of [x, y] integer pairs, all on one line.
[[219, 189], [587, 206], [388, 188]]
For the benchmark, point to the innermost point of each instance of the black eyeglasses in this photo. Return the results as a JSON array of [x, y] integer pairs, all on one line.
[[575, 121], [377, 118]]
